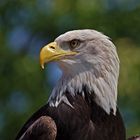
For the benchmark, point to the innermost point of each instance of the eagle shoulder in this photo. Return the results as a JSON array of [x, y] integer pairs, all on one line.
[[42, 129]]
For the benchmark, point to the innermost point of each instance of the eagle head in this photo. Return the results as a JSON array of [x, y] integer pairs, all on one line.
[[86, 57]]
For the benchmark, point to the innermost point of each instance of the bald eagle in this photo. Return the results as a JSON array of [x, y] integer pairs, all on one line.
[[83, 105]]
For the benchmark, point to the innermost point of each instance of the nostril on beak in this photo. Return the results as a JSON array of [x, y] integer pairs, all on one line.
[[52, 47]]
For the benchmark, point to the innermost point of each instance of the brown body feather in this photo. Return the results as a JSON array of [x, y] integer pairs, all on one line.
[[85, 121], [44, 127], [134, 138]]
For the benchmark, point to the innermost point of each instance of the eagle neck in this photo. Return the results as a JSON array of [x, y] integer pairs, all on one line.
[[104, 88]]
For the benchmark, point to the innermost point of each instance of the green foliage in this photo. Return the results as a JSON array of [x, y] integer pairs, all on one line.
[[21, 77], [25, 26], [129, 88]]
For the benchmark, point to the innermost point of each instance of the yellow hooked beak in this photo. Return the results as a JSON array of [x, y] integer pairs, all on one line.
[[53, 52]]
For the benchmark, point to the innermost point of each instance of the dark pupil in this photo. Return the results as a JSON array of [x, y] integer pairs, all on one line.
[[74, 43]]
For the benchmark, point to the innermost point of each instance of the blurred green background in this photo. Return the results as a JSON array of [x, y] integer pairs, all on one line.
[[27, 25]]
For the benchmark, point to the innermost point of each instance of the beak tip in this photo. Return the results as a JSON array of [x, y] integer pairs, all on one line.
[[42, 66]]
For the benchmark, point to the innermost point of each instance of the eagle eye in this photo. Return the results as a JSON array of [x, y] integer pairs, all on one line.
[[74, 43]]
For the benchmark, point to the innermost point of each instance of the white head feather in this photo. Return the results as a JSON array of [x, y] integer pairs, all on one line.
[[96, 66]]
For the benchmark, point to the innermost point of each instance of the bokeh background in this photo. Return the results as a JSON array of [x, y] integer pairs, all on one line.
[[27, 25]]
